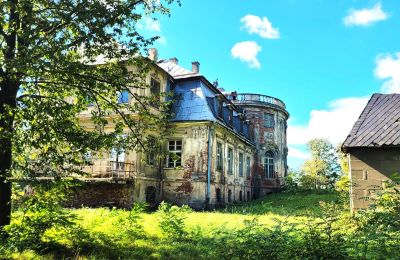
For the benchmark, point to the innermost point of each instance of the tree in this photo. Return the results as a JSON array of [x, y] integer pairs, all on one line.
[[324, 163], [56, 58]]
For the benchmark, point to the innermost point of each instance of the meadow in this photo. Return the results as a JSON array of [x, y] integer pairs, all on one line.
[[301, 225]]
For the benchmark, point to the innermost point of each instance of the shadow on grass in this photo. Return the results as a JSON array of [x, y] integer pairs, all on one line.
[[302, 203]]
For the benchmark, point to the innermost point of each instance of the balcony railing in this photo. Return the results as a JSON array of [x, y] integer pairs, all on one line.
[[247, 97], [110, 170]]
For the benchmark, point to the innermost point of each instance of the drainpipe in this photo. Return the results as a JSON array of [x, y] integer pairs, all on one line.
[[210, 142]]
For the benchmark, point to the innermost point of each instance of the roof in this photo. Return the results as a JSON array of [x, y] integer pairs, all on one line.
[[175, 70], [378, 124]]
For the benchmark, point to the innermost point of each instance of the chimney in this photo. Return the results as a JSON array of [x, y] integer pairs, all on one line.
[[195, 67], [153, 54], [174, 60]]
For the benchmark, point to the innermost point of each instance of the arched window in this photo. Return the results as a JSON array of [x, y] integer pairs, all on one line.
[[269, 167]]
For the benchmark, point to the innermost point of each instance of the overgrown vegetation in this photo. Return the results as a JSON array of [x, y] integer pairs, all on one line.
[[302, 225]]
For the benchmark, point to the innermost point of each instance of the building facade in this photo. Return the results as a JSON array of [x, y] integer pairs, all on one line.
[[373, 148], [221, 148]]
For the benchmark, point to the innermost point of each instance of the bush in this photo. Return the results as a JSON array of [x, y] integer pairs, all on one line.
[[172, 220], [39, 214]]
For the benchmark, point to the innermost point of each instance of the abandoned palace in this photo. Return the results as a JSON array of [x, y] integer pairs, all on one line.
[[224, 147]]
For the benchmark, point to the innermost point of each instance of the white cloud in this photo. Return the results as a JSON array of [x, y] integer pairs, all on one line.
[[247, 52], [333, 123], [297, 153], [365, 17], [388, 68], [152, 25], [261, 26]]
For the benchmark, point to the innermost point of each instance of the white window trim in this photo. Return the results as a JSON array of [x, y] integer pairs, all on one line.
[[174, 151]]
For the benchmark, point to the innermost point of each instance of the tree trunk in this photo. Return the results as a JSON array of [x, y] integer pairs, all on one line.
[[8, 91], [5, 168]]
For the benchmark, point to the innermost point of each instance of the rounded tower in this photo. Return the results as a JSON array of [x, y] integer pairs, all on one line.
[[268, 119]]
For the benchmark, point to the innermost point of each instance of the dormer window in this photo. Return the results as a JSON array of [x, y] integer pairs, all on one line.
[[230, 116], [220, 107]]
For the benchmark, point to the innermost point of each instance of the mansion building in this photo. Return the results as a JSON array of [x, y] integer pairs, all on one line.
[[223, 147]]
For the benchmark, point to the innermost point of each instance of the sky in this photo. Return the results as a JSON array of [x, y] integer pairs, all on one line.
[[323, 58]]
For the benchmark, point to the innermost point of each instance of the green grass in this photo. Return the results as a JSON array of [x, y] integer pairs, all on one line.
[[102, 233]]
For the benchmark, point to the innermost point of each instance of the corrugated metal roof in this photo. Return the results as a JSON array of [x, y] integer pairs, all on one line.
[[378, 124]]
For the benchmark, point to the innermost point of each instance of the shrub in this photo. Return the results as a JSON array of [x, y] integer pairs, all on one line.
[[172, 220], [38, 214]]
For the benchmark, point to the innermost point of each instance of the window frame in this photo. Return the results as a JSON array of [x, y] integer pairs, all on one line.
[[269, 165], [248, 166], [269, 120], [220, 157], [155, 91], [174, 163], [229, 158], [241, 164]]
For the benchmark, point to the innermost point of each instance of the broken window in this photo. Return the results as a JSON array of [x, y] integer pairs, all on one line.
[[269, 120], [219, 156], [174, 153], [269, 167], [230, 161], [240, 164]]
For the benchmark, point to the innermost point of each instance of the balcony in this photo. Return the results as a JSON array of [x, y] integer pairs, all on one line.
[[106, 169], [255, 98]]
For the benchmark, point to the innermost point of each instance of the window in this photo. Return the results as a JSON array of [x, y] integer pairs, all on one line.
[[117, 159], [219, 156], [229, 196], [230, 116], [220, 106], [230, 161], [240, 164], [248, 166], [269, 167], [123, 97], [174, 153], [151, 151], [155, 91], [269, 120]]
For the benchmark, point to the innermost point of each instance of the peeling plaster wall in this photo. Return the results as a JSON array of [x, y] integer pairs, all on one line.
[[267, 139]]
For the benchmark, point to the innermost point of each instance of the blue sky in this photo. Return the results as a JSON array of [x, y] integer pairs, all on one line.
[[323, 58]]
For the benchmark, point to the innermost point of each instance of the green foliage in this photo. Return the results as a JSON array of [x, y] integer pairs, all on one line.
[[322, 170], [171, 220], [377, 229], [60, 59], [39, 214]]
